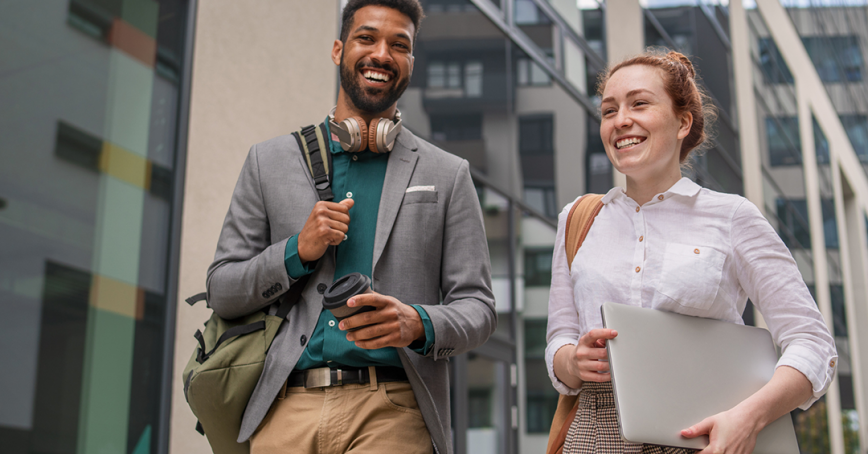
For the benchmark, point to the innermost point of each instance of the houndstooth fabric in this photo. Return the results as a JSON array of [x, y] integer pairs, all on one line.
[[595, 429]]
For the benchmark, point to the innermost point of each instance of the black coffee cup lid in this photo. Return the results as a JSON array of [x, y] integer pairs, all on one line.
[[345, 288]]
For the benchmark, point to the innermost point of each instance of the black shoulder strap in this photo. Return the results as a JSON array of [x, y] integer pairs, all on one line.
[[313, 145]]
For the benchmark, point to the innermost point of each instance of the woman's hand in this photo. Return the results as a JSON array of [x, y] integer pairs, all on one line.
[[587, 361], [730, 432]]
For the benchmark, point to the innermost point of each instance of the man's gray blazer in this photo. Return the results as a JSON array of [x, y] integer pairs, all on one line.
[[429, 243]]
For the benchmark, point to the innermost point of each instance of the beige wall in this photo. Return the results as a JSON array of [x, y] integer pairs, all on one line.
[[260, 69]]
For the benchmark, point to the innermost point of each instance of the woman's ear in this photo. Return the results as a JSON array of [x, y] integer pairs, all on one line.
[[686, 124]]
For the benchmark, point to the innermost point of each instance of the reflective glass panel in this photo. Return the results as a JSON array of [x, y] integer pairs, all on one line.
[[90, 90]]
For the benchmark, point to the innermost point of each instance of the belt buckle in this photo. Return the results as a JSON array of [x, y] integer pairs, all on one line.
[[321, 377]]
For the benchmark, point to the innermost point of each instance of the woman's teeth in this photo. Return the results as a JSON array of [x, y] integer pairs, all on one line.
[[627, 142], [371, 75]]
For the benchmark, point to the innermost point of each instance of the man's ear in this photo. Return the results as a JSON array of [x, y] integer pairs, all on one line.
[[412, 63], [337, 51]]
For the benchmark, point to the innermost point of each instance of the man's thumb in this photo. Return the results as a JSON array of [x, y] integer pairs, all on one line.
[[348, 202]]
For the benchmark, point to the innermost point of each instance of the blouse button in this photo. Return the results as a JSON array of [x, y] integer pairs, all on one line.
[[638, 268], [355, 157], [637, 209], [659, 197], [641, 238], [349, 195], [696, 251], [832, 363], [331, 323]]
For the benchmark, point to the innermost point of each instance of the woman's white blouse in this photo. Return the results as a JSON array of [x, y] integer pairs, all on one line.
[[692, 251]]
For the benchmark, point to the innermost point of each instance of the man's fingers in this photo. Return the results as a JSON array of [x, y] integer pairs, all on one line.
[[368, 299], [347, 203], [595, 377]]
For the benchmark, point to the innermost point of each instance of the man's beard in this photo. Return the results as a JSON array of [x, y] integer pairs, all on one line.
[[366, 99]]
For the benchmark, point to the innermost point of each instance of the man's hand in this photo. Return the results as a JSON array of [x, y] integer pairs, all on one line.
[[391, 324], [326, 226]]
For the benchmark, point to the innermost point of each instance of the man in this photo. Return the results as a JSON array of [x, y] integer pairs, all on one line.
[[409, 219]]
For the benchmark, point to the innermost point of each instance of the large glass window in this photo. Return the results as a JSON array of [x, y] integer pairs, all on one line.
[[837, 58], [88, 145]]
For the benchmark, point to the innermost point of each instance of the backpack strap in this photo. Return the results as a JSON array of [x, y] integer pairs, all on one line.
[[579, 222], [312, 143]]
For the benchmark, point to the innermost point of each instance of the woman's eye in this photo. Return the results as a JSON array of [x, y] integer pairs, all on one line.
[[608, 111]]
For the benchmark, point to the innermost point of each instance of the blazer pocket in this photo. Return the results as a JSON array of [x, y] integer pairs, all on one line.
[[420, 197], [691, 275]]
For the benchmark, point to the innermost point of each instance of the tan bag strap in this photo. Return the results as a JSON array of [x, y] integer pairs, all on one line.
[[579, 222], [568, 406]]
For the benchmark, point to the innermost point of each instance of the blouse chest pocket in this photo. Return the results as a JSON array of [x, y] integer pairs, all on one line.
[[690, 276]]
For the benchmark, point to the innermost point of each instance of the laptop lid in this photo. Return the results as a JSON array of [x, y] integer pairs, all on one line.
[[671, 371]]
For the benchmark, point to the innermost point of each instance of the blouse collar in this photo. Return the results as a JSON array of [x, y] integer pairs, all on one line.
[[683, 187]]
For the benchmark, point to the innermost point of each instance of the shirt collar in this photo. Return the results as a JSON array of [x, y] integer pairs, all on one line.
[[334, 146], [684, 187]]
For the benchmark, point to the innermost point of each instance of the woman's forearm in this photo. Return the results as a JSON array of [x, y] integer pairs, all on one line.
[[787, 389], [561, 367]]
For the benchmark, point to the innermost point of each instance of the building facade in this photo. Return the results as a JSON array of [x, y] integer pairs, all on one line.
[[127, 123]]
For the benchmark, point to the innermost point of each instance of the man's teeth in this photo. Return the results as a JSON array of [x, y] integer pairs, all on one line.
[[376, 76], [627, 142]]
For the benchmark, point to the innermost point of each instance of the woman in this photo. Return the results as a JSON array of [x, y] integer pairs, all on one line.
[[642, 251]]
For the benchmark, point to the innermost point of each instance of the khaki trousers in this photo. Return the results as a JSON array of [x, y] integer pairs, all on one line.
[[358, 419]]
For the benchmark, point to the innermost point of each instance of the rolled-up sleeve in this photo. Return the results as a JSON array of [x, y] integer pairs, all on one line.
[[769, 275], [563, 319]]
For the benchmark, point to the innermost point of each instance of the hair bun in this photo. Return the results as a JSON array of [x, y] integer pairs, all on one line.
[[680, 58]]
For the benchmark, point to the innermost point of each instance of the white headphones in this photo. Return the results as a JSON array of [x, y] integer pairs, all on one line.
[[354, 134]]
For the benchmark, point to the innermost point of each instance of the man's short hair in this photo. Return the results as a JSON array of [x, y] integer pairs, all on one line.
[[409, 8]]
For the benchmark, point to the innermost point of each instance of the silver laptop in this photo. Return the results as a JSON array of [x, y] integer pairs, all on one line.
[[671, 371]]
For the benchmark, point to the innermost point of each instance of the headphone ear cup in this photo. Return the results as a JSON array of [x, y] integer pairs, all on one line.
[[363, 133], [355, 128], [372, 136]]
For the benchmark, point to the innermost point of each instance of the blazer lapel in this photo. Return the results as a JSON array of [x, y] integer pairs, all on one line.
[[402, 162]]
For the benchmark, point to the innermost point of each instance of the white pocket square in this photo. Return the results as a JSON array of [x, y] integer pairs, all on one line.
[[420, 188]]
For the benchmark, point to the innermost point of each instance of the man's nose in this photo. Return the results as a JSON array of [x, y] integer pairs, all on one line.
[[382, 53]]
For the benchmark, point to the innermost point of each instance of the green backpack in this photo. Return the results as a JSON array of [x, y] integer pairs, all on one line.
[[226, 365]]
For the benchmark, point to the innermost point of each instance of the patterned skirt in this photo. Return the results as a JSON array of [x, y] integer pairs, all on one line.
[[595, 429]]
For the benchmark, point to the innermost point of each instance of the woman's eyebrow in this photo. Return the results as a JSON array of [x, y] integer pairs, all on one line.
[[630, 93]]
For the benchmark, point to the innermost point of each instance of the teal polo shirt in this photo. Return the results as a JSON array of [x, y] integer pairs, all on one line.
[[358, 176]]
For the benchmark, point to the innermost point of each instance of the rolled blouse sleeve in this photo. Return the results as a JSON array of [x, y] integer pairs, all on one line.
[[771, 279], [563, 319]]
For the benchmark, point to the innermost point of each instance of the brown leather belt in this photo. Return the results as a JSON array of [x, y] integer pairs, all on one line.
[[325, 376]]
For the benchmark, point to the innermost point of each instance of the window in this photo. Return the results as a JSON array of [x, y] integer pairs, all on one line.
[[772, 62], [536, 149], [456, 127], [837, 58], [542, 399], [454, 79], [857, 131], [528, 73], [785, 146], [537, 267], [795, 231]]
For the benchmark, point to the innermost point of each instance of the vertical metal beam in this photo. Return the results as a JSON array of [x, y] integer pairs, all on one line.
[[180, 171], [821, 265]]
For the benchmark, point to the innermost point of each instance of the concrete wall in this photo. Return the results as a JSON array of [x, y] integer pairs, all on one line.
[[260, 69]]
